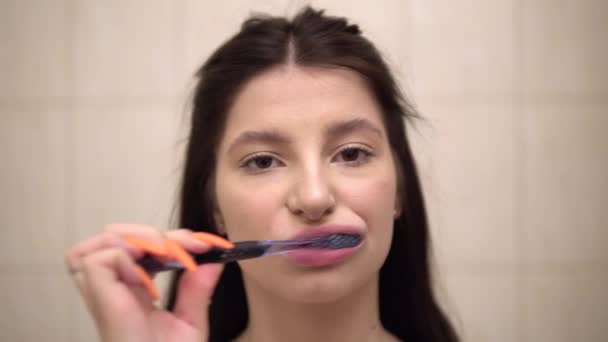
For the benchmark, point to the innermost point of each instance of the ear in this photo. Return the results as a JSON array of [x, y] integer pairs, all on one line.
[[218, 219], [398, 203], [397, 210], [399, 193], [220, 227]]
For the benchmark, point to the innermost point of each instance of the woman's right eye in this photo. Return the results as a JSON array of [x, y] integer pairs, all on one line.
[[260, 162]]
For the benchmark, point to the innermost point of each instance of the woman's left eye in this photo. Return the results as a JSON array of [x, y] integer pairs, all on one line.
[[353, 155], [260, 163]]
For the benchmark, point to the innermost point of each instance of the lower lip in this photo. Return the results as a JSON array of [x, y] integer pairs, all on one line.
[[320, 257]]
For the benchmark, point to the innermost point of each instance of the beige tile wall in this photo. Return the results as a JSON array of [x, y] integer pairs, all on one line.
[[513, 152]]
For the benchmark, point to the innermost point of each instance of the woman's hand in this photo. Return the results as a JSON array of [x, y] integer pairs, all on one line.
[[119, 294]]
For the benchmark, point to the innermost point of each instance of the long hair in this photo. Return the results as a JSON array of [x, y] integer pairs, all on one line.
[[408, 308]]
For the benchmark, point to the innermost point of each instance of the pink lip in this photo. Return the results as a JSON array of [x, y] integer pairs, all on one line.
[[323, 257], [313, 232]]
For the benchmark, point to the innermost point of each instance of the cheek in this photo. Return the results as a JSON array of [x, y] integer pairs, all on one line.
[[247, 211], [373, 200]]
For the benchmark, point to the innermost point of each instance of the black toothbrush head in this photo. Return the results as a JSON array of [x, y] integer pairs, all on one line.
[[338, 241]]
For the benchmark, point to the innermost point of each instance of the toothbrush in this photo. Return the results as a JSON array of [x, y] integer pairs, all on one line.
[[254, 249]]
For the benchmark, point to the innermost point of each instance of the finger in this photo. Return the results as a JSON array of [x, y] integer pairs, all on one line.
[[194, 294], [73, 258], [110, 273], [133, 229], [147, 282], [142, 288], [79, 281], [185, 238], [147, 245], [178, 252], [149, 233], [213, 239]]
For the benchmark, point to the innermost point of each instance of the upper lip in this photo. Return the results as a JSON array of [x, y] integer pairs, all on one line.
[[319, 231]]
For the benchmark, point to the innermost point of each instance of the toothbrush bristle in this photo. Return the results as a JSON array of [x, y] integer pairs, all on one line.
[[339, 240]]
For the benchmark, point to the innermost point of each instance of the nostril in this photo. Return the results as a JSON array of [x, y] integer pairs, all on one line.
[[311, 196], [315, 215]]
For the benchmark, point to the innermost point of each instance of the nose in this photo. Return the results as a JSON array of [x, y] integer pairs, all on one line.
[[311, 197]]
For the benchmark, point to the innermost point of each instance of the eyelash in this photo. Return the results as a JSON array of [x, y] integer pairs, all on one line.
[[366, 155], [247, 163]]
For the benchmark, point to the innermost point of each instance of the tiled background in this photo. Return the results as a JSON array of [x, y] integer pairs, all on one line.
[[513, 153]]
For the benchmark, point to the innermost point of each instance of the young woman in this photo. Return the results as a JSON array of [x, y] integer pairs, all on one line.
[[297, 130]]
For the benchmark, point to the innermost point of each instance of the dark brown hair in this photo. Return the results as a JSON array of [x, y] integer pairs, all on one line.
[[408, 308]]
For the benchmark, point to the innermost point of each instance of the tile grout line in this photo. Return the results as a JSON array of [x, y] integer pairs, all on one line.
[[179, 61], [410, 51], [70, 9], [520, 198], [179, 47], [109, 101]]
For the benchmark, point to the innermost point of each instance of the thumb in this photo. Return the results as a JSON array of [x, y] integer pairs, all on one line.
[[194, 295]]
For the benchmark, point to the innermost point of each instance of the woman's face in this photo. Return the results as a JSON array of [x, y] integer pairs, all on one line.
[[305, 151]]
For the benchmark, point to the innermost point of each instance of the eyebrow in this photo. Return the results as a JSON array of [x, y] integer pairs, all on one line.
[[338, 129], [262, 136], [346, 127]]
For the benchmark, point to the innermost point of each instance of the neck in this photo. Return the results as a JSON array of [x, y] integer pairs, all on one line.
[[353, 318]]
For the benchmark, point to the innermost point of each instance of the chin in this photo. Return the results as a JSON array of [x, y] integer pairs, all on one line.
[[324, 285], [320, 288]]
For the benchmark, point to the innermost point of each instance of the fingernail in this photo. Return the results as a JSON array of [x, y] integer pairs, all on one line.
[[147, 245], [147, 282], [213, 239], [179, 253]]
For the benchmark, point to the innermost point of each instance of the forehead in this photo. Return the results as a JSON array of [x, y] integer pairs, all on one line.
[[291, 98]]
